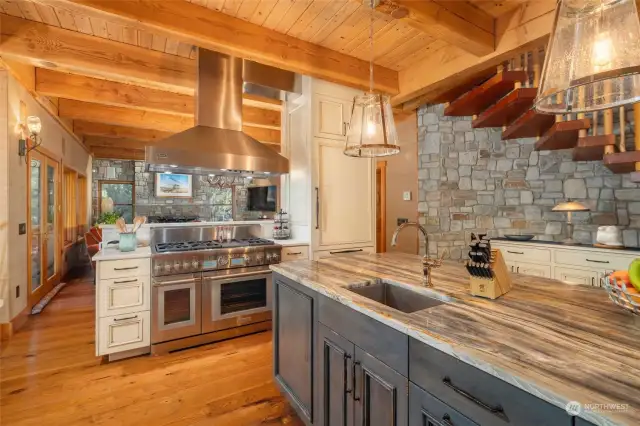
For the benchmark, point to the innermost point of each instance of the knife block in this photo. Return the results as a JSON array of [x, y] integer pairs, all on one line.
[[492, 288]]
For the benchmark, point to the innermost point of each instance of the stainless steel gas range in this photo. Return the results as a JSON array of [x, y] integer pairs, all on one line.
[[209, 283]]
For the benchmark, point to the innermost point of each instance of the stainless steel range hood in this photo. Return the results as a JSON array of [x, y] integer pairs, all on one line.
[[217, 144]]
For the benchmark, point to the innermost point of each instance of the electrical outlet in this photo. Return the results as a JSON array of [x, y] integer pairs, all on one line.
[[22, 228], [406, 195], [17, 292], [402, 220]]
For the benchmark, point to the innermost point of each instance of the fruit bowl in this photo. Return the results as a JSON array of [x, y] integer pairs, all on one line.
[[627, 298]]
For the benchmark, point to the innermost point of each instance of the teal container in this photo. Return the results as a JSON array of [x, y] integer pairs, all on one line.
[[128, 241]]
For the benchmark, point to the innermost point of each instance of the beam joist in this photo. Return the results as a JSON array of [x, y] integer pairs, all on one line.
[[217, 31]]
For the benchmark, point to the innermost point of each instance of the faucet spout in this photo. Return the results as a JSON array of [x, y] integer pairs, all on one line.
[[394, 238]]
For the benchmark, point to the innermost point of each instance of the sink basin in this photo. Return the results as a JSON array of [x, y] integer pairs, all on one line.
[[395, 296]]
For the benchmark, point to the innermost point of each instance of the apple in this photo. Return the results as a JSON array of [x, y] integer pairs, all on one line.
[[634, 274]]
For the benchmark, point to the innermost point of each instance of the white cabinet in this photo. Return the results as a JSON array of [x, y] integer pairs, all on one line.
[[331, 117], [124, 332], [321, 254], [124, 295], [294, 253], [344, 191], [543, 271], [578, 276]]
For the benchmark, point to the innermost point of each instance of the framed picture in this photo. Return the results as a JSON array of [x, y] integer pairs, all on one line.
[[172, 185]]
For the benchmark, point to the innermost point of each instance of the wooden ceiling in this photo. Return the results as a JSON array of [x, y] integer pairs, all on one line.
[[125, 69]]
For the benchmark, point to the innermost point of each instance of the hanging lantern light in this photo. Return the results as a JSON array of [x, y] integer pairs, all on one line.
[[372, 131], [595, 50]]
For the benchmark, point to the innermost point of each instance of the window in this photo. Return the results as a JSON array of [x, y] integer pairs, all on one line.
[[117, 196]]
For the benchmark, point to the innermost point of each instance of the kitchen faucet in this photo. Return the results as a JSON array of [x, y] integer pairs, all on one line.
[[427, 262]]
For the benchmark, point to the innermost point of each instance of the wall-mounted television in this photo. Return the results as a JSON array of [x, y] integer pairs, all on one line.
[[262, 198]]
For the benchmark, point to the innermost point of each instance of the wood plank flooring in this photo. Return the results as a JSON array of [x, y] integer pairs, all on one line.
[[49, 375]]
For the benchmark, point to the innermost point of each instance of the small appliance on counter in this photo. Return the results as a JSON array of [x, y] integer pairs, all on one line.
[[609, 237], [281, 230], [487, 269]]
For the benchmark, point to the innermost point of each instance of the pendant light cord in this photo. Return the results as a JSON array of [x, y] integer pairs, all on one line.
[[371, 50]]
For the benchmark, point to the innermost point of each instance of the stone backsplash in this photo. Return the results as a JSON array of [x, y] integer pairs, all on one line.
[[472, 181], [208, 202]]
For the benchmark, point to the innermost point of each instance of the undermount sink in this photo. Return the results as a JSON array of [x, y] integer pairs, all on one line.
[[395, 296]]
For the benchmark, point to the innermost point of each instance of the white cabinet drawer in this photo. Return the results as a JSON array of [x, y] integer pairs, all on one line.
[[123, 332], [124, 268], [124, 295], [321, 254], [525, 254], [295, 253], [577, 276], [592, 259], [543, 271]]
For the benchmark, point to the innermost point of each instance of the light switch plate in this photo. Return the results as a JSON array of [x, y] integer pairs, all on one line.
[[406, 195]]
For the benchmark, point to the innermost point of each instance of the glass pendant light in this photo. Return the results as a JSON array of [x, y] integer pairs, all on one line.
[[372, 131], [593, 57]]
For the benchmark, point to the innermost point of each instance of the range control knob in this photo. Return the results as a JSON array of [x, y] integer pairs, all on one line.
[[186, 265], [167, 267], [194, 264], [223, 260], [259, 258], [275, 257], [247, 259], [157, 267], [177, 265]]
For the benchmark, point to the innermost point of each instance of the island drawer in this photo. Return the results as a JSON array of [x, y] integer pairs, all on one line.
[[482, 397], [592, 259], [124, 268], [123, 295], [515, 253], [383, 342], [426, 409]]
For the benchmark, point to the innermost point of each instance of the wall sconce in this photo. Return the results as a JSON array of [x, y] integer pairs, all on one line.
[[29, 134]]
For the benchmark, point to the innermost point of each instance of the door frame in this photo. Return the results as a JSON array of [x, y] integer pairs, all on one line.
[[382, 166], [47, 285]]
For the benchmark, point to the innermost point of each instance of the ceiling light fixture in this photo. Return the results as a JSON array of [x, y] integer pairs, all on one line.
[[593, 57], [372, 131]]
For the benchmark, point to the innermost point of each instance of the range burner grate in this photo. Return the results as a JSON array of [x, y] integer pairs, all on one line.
[[180, 246]]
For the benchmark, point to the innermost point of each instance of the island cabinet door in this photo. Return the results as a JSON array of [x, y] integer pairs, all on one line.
[[381, 394], [293, 345], [335, 378], [427, 410]]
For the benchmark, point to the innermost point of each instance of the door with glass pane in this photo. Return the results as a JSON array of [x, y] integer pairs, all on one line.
[[44, 200]]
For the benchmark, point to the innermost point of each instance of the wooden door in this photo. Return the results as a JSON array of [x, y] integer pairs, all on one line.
[[44, 225], [381, 393], [343, 198], [335, 386], [381, 207], [293, 346]]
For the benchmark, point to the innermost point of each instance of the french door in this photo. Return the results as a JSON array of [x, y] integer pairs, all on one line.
[[44, 227]]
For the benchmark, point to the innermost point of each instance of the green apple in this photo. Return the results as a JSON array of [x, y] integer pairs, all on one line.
[[634, 274]]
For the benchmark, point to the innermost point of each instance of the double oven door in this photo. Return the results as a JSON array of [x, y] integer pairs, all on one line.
[[235, 297], [177, 305]]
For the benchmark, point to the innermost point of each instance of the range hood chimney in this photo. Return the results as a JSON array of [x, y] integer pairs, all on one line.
[[217, 144]]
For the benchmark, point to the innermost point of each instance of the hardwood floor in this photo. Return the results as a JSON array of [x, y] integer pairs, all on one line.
[[49, 375]]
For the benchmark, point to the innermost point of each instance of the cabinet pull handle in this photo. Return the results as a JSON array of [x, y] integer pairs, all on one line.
[[125, 269], [344, 128], [497, 410], [345, 251], [317, 208], [126, 281], [518, 270], [597, 261], [593, 283], [354, 382], [292, 254], [125, 319], [446, 419], [347, 357], [515, 252]]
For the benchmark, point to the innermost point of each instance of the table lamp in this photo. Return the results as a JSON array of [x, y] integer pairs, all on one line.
[[570, 207]]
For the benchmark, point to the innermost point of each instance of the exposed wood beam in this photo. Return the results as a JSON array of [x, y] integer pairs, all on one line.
[[89, 111], [516, 31], [116, 143], [117, 153], [457, 23], [83, 88], [217, 31]]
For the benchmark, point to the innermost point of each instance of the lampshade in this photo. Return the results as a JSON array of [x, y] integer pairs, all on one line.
[[34, 125], [571, 206], [372, 131], [593, 58]]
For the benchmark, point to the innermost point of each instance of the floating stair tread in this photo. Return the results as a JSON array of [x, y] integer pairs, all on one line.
[[622, 162], [529, 125], [481, 97], [562, 135], [591, 148], [507, 109], [465, 85]]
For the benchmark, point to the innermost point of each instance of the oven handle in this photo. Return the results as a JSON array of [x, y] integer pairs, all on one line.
[[238, 275], [173, 282]]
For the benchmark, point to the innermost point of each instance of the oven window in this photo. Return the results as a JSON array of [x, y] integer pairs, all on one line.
[[177, 306], [243, 295]]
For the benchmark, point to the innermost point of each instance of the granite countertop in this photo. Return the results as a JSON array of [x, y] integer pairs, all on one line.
[[192, 224], [558, 342], [565, 245], [112, 253]]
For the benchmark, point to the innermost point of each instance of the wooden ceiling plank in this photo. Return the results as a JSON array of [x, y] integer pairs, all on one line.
[[99, 27], [89, 128], [262, 11], [185, 49], [306, 19], [468, 12], [145, 39], [277, 14], [159, 42], [114, 31], [130, 35], [293, 14], [246, 10], [363, 50], [83, 23], [345, 12], [220, 32], [380, 22], [216, 5], [321, 19], [231, 7], [47, 14], [416, 56], [29, 10], [67, 21], [11, 7], [350, 28], [172, 46], [437, 21], [411, 43]]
